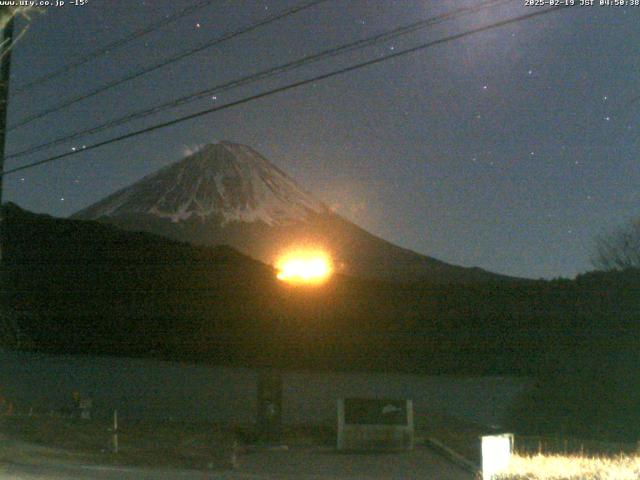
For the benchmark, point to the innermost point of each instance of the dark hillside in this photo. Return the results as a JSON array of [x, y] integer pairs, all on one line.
[[81, 286]]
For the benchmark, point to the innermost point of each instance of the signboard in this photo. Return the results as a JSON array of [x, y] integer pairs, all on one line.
[[375, 424], [371, 411]]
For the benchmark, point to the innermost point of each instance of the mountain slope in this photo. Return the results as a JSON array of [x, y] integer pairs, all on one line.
[[229, 194]]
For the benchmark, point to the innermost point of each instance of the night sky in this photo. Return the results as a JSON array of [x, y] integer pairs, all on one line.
[[511, 149]]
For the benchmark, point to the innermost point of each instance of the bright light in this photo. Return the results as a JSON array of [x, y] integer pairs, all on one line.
[[496, 454], [304, 266]]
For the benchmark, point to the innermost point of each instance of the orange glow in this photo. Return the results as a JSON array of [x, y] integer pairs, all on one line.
[[304, 267]]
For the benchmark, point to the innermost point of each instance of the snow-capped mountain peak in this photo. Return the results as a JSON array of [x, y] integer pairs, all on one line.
[[227, 181]]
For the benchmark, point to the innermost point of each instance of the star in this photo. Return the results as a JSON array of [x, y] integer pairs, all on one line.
[[197, 25], [607, 118], [214, 98], [62, 199], [530, 72], [484, 87], [604, 98]]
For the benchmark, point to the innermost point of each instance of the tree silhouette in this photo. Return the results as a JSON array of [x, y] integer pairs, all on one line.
[[619, 249]]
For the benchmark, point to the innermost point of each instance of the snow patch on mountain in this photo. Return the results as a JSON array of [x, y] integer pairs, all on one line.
[[227, 180]]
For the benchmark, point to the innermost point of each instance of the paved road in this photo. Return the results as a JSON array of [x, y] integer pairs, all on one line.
[[421, 463], [296, 463]]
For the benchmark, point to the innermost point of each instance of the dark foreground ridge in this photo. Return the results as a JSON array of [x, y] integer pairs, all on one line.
[[81, 286]]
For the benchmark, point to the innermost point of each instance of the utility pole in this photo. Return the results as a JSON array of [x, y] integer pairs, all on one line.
[[5, 69]]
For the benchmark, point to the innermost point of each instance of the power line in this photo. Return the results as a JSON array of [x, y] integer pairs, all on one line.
[[216, 41], [268, 73], [290, 86], [113, 45]]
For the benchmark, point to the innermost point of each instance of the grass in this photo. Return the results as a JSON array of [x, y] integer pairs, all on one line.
[[572, 467], [141, 443], [539, 458], [530, 445]]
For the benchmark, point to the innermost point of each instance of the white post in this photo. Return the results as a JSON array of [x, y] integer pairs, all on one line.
[[115, 431], [341, 419], [410, 424], [234, 454]]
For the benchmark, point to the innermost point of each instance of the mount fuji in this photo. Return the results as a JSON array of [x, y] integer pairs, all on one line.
[[227, 193]]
